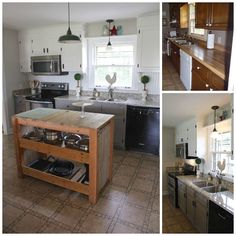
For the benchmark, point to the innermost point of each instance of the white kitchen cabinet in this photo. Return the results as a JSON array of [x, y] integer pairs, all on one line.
[[24, 43], [148, 43], [193, 133]]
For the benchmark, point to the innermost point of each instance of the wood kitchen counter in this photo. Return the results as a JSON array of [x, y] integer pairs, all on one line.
[[98, 127], [211, 58]]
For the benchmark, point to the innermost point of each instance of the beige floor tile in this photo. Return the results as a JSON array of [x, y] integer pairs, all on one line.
[[29, 224], [126, 170], [95, 224], [146, 164], [40, 187], [106, 207], [55, 228], [147, 174], [132, 214], [10, 213], [69, 216], [131, 161], [59, 193], [122, 181], [144, 185], [78, 200], [46, 207], [114, 193], [124, 229], [154, 223], [138, 198]]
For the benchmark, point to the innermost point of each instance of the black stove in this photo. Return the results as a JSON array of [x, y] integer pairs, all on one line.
[[49, 91]]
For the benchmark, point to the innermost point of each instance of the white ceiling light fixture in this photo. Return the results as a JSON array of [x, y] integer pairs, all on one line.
[[109, 21], [214, 133], [69, 37]]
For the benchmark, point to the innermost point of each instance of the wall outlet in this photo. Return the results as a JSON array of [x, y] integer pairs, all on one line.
[[219, 40]]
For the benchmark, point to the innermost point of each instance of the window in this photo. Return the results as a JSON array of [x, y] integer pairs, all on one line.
[[199, 33], [221, 149], [120, 59]]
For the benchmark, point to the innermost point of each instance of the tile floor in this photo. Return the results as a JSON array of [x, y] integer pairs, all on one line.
[[171, 79], [174, 221], [130, 204]]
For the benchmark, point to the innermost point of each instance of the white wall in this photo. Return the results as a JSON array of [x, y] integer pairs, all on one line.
[[168, 154], [12, 78]]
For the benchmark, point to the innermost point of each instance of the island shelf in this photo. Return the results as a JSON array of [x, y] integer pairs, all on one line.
[[98, 127]]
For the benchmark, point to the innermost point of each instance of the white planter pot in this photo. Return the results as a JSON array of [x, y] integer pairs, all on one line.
[[144, 95], [78, 91]]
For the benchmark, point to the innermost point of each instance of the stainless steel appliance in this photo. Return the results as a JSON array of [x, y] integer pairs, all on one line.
[[142, 129], [47, 65], [182, 150], [46, 97], [173, 182]]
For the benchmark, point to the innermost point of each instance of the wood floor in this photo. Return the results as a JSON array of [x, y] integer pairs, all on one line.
[[171, 80], [174, 221]]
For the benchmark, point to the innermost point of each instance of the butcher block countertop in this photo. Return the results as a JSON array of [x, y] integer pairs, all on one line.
[[57, 117], [213, 59]]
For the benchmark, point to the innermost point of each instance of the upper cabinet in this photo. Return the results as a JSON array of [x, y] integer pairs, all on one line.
[[44, 41], [148, 43], [215, 16], [184, 15]]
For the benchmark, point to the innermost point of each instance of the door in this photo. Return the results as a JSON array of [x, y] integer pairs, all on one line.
[[182, 196], [192, 138], [191, 204], [184, 16]]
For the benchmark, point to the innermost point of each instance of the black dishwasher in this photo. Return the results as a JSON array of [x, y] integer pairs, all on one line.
[[220, 220], [143, 129]]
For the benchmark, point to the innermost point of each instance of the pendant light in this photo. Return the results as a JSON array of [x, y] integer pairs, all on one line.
[[109, 21], [69, 37], [214, 133]]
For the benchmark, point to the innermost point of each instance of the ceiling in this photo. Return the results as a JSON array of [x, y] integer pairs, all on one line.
[[180, 107], [19, 16]]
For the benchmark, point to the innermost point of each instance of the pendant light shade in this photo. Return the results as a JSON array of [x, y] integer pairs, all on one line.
[[69, 37], [109, 21], [214, 133]]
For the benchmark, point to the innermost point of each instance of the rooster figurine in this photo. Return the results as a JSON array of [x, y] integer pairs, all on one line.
[[221, 165], [110, 80]]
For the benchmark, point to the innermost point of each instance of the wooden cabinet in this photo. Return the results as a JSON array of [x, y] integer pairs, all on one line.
[[205, 79], [98, 129], [174, 11], [175, 56], [214, 16], [184, 16], [182, 196], [191, 204], [148, 43]]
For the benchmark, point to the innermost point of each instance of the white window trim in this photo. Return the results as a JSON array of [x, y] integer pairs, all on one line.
[[93, 42], [196, 36]]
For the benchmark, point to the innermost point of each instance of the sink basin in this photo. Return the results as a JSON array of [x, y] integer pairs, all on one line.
[[181, 41], [202, 184], [116, 100], [214, 189]]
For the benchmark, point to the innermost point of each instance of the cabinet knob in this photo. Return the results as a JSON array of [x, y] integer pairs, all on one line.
[[175, 52], [43, 50], [63, 66], [206, 24], [209, 24], [137, 65], [211, 89], [198, 68], [47, 50], [207, 85]]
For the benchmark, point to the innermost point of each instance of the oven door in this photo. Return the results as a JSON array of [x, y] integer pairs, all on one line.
[[31, 104]]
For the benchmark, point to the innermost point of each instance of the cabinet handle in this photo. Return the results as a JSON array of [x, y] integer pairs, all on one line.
[[44, 50], [222, 217], [63, 66], [80, 65], [207, 85], [61, 49], [137, 65], [206, 24], [209, 24], [47, 50], [184, 195], [198, 67]]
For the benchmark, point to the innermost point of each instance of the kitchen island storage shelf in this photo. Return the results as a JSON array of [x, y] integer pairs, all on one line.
[[98, 127]]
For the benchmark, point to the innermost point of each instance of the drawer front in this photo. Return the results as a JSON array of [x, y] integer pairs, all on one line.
[[217, 83], [65, 104], [181, 186], [201, 200]]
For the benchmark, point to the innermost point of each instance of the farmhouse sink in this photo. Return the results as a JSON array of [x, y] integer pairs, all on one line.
[[202, 184], [214, 189]]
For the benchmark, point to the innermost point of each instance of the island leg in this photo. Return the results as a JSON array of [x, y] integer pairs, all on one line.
[[19, 151]]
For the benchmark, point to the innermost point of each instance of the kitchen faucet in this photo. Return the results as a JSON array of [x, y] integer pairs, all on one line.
[[110, 94], [219, 178]]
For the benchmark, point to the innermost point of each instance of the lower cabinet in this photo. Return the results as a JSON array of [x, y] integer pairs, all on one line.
[[205, 79], [20, 104], [197, 210], [65, 104], [182, 194]]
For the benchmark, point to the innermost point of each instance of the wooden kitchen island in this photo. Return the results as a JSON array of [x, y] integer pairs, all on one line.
[[99, 129]]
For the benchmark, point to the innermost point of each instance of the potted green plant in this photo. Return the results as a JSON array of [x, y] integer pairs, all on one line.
[[78, 77], [144, 79]]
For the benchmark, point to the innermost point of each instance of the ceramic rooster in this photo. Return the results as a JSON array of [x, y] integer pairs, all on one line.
[[221, 165], [111, 80]]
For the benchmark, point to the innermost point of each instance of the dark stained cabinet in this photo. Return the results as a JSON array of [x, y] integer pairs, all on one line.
[[214, 16], [205, 79], [175, 57]]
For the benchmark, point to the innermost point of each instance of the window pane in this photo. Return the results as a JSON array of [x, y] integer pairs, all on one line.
[[124, 75]]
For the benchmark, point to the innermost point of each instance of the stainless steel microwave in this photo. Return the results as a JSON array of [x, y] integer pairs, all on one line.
[[46, 65], [182, 150]]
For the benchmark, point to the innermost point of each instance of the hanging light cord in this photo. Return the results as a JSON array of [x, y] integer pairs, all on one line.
[[68, 14], [215, 119], [109, 31]]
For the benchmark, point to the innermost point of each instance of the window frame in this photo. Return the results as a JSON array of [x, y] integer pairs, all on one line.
[[197, 36], [101, 41]]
